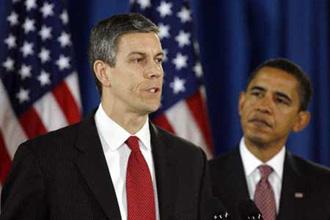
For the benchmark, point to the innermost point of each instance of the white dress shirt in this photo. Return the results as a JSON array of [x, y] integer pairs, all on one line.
[[252, 173], [116, 152]]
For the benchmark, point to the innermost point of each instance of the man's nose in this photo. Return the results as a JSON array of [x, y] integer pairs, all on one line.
[[265, 104], [154, 70]]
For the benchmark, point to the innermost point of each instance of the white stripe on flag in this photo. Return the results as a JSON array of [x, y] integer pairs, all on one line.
[[180, 113], [50, 112], [73, 85], [12, 131]]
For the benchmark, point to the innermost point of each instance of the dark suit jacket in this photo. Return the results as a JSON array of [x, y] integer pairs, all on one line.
[[305, 191], [64, 175]]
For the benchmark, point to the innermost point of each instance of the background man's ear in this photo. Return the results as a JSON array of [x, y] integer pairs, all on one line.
[[302, 121]]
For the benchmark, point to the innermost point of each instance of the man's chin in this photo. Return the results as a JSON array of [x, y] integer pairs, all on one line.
[[150, 108], [257, 139]]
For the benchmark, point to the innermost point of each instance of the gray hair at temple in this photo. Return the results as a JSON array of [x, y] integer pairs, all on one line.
[[104, 37]]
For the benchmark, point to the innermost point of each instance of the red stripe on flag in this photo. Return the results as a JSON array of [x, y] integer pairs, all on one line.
[[5, 161], [198, 110], [162, 122], [32, 123], [68, 104]]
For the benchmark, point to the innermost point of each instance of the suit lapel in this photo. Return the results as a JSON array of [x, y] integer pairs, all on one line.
[[237, 182], [238, 176], [166, 176], [92, 164], [294, 191]]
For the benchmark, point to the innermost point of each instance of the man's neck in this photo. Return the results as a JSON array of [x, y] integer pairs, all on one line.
[[131, 122], [263, 152]]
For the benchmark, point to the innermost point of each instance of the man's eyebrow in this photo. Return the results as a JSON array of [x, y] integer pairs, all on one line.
[[283, 95], [136, 53], [259, 88], [143, 54], [278, 93], [160, 54]]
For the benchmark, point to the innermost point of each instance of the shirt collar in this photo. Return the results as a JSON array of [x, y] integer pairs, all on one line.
[[114, 135], [251, 162]]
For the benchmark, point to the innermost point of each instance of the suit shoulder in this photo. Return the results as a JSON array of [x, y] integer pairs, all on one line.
[[179, 144], [310, 168], [62, 134], [225, 159], [51, 144]]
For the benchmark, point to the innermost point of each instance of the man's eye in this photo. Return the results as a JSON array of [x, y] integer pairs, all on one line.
[[282, 101], [256, 93], [138, 60], [159, 60]]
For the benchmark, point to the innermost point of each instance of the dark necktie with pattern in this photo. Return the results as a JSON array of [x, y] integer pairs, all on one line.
[[139, 188], [264, 195]]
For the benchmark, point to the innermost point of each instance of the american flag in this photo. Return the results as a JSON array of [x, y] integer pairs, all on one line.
[[38, 82], [183, 109]]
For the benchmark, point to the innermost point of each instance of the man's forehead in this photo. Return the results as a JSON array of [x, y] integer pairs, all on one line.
[[139, 43], [274, 76]]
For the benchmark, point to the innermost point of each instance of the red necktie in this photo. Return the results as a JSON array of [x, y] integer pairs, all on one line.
[[264, 195], [139, 189]]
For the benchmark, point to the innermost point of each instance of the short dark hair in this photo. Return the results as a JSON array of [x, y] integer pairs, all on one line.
[[103, 40], [304, 83]]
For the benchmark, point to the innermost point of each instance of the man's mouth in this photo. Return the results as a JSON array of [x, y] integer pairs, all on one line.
[[260, 122], [153, 90]]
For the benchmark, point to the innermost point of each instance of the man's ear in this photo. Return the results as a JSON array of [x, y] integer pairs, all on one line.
[[302, 121], [102, 72], [241, 102]]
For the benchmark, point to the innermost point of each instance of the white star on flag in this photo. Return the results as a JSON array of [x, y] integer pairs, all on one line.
[[23, 95], [183, 38], [30, 4], [13, 19], [164, 31], [27, 49], [47, 10], [63, 62], [180, 61], [11, 41], [64, 39], [198, 69], [144, 4], [9, 64], [44, 78], [165, 9], [28, 25], [178, 85], [184, 15], [45, 32], [44, 55], [25, 71], [64, 17]]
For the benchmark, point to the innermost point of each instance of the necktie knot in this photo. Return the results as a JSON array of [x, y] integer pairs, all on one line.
[[265, 171], [133, 143]]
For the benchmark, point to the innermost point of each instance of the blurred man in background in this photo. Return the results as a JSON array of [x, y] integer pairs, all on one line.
[[282, 185]]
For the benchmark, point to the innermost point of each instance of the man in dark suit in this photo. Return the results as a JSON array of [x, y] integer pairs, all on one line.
[[283, 186], [115, 164]]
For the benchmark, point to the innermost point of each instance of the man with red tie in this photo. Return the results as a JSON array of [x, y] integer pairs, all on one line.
[[282, 185], [115, 164]]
